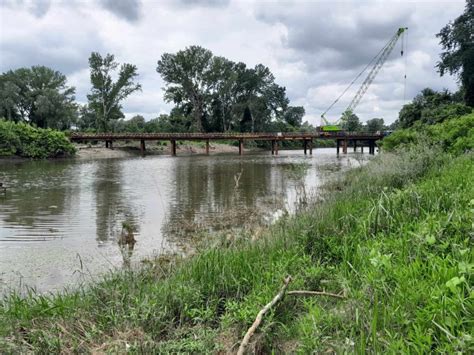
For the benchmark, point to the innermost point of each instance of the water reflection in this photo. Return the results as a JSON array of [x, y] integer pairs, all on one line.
[[71, 213], [210, 196]]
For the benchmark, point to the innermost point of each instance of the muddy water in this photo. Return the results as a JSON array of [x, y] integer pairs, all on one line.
[[60, 220]]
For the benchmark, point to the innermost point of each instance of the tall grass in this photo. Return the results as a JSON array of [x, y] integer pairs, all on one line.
[[394, 236]]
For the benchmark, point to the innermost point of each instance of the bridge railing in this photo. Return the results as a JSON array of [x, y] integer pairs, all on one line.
[[220, 135]]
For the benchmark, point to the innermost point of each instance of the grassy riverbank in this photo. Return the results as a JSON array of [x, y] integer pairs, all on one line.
[[393, 236]]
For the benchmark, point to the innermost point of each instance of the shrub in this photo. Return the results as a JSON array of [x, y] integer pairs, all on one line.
[[21, 139], [455, 135]]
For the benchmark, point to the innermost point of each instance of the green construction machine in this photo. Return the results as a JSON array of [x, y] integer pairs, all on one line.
[[377, 62]]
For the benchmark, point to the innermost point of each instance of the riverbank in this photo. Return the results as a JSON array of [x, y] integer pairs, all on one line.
[[123, 149], [392, 237]]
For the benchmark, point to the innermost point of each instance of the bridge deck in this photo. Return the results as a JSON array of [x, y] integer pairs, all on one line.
[[307, 139], [224, 136]]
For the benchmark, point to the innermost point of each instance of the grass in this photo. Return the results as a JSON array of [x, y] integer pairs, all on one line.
[[395, 236]]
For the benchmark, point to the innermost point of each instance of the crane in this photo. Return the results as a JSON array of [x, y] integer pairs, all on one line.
[[379, 60]]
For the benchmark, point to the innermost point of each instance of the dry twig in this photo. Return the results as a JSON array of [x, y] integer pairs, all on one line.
[[314, 293], [258, 320]]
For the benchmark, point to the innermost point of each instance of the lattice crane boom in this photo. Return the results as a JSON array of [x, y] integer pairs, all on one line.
[[375, 69], [379, 60]]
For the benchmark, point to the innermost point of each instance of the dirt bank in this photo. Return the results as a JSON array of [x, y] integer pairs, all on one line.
[[123, 150]]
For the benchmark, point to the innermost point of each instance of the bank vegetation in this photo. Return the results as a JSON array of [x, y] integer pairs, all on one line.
[[393, 238]]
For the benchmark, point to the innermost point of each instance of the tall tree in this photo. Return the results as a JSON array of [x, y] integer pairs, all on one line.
[[220, 94], [374, 125], [457, 40], [223, 78], [350, 121], [106, 94], [188, 79], [38, 95], [294, 115]]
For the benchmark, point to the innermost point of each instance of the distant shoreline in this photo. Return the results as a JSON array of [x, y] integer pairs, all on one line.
[[122, 150]]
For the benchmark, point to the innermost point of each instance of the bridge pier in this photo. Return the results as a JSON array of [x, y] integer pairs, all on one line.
[[173, 147], [241, 146], [344, 139], [274, 147], [371, 147]]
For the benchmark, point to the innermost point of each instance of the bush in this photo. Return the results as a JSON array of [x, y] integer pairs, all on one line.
[[23, 140], [455, 135]]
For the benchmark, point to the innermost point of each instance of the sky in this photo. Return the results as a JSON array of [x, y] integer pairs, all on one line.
[[314, 48]]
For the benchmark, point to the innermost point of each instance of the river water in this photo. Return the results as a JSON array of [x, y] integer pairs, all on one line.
[[60, 220]]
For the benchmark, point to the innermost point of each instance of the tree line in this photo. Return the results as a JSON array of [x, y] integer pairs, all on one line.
[[209, 93], [214, 94]]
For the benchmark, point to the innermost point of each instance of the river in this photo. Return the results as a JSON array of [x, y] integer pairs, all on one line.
[[60, 220]]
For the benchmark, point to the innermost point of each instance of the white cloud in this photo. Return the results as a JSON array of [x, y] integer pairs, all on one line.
[[314, 48]]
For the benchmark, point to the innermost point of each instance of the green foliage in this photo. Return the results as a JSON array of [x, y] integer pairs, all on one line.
[[23, 140], [350, 122], [430, 107], [375, 125], [399, 138], [106, 94], [38, 95], [458, 56], [214, 94], [393, 236], [455, 135]]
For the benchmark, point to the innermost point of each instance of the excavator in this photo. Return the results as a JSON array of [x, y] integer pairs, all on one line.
[[377, 62]]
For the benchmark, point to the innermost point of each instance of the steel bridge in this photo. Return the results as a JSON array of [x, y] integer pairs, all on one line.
[[343, 139]]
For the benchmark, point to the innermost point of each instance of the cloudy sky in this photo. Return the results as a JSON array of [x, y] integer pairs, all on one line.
[[314, 48]]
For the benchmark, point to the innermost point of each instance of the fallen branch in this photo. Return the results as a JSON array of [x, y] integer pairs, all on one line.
[[258, 320], [314, 293]]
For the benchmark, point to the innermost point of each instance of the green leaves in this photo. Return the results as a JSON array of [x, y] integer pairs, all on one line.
[[453, 283], [38, 95], [217, 94], [458, 56], [106, 94], [26, 141]]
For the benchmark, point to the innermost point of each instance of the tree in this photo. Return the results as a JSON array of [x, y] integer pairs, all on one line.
[[87, 120], [219, 94], [374, 125], [350, 122], [134, 124], [457, 40], [106, 94], [432, 107], [294, 115], [38, 95], [9, 98], [187, 74]]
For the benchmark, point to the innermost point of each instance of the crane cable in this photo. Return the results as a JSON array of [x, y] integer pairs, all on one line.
[[404, 50], [355, 79]]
